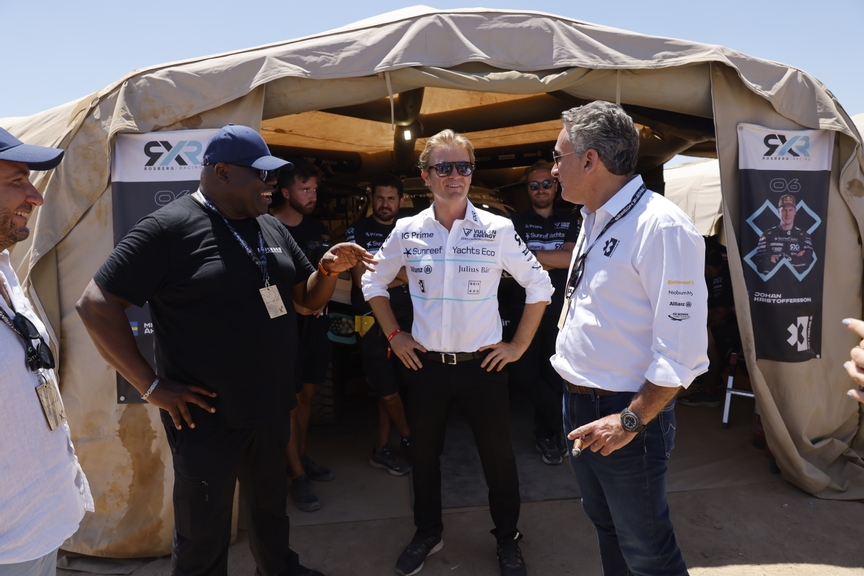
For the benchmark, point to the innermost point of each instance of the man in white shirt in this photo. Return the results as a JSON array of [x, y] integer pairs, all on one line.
[[453, 255], [633, 334], [43, 491]]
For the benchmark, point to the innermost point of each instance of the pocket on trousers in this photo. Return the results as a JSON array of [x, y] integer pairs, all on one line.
[[191, 506], [666, 420]]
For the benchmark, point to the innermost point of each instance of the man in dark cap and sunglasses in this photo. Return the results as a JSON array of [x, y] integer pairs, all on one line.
[[632, 335], [43, 491], [221, 276], [551, 235]]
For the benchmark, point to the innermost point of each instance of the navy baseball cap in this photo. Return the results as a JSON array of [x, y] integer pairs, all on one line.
[[35, 157], [244, 146]]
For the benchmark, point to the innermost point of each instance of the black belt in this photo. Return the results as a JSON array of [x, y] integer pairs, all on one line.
[[453, 358], [573, 388]]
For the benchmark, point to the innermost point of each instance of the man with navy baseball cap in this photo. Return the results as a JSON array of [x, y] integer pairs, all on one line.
[[44, 491], [221, 277]]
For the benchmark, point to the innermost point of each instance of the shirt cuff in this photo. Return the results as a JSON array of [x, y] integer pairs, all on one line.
[[664, 372]]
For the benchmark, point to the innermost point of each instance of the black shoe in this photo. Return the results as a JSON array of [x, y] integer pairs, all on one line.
[[510, 557], [406, 445], [303, 571], [550, 451], [412, 558], [385, 460], [315, 471], [303, 494]]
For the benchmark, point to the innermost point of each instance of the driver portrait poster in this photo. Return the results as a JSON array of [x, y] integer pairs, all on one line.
[[784, 203], [149, 171]]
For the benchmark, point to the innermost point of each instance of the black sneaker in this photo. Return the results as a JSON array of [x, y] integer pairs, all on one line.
[[412, 558], [385, 460], [303, 494], [406, 445], [315, 471], [550, 451], [701, 398], [510, 557]]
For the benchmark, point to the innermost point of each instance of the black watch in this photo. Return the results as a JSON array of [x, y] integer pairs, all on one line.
[[630, 421]]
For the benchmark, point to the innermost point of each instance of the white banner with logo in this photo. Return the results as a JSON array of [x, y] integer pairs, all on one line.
[[149, 171], [784, 205]]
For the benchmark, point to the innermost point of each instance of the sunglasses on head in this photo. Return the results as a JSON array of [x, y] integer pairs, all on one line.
[[443, 169], [546, 184], [40, 356]]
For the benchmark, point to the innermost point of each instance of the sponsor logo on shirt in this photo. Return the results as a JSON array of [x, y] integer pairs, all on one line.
[[422, 286], [473, 251], [468, 269], [416, 251], [421, 269], [610, 246], [475, 234], [474, 287], [680, 293], [687, 304], [417, 235], [680, 282], [679, 316]]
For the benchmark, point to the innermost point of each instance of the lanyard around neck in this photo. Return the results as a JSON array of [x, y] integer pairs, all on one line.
[[260, 259]]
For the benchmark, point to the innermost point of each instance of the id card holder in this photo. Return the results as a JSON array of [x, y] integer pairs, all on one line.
[[562, 319], [49, 397], [273, 301]]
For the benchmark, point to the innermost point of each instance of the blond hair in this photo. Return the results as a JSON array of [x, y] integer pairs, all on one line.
[[445, 139]]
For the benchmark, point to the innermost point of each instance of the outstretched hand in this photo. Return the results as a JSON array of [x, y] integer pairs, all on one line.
[[346, 255], [173, 397]]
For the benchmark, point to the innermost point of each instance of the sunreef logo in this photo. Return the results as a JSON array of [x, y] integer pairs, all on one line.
[[781, 148], [162, 155]]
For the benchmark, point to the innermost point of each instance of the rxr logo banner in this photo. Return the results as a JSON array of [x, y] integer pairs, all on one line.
[[799, 333], [779, 145], [183, 153]]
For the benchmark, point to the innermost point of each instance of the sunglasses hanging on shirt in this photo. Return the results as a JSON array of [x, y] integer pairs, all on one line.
[[39, 357]]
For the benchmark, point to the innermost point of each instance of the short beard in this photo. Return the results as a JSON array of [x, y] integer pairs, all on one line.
[[300, 207], [10, 234]]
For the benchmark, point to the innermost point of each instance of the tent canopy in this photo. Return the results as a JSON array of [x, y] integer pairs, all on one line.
[[501, 77]]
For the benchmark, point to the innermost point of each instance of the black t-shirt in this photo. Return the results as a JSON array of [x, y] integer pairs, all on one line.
[[550, 233], [313, 238], [210, 324], [370, 234]]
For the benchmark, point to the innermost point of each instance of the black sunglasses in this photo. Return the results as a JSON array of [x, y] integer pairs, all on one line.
[[443, 169], [575, 275], [546, 184], [40, 356], [265, 175]]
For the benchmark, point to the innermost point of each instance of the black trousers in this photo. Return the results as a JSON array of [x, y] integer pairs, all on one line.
[[534, 375], [482, 396], [208, 460]]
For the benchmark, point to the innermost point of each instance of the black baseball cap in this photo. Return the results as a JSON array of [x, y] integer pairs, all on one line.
[[35, 157], [244, 146]]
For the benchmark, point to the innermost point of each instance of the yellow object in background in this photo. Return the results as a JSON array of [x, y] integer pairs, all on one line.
[[363, 324]]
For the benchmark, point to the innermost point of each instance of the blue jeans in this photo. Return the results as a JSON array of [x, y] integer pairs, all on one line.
[[624, 493]]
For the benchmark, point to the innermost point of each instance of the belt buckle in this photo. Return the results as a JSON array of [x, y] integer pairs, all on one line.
[[445, 357]]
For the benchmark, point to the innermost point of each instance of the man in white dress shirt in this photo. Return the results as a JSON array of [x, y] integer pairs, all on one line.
[[453, 254], [633, 334], [43, 491]]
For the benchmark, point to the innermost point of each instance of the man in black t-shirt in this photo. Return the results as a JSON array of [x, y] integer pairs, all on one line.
[[293, 203], [551, 234], [379, 367], [219, 275]]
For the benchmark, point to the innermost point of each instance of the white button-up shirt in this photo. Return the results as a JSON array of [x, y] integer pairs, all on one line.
[[453, 276], [640, 311], [43, 491]]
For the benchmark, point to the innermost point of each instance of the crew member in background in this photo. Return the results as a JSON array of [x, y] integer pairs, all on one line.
[[378, 365], [453, 254], [43, 491], [551, 235], [293, 202], [628, 344]]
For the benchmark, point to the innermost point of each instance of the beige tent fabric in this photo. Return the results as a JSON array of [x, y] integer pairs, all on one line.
[[810, 422], [695, 188]]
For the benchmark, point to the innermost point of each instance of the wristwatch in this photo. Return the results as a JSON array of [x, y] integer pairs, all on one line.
[[630, 421]]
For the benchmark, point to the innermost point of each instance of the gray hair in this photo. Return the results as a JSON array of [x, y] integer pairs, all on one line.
[[606, 128]]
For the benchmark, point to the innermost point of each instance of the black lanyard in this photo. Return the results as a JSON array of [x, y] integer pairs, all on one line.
[[578, 263], [260, 260]]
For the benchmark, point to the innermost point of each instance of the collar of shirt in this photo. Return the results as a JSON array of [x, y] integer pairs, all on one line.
[[595, 221]]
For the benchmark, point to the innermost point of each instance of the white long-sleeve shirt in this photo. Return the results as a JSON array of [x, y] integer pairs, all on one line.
[[640, 311], [43, 491], [453, 276]]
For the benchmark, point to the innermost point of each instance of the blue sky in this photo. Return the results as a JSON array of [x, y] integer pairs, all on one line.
[[59, 51]]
